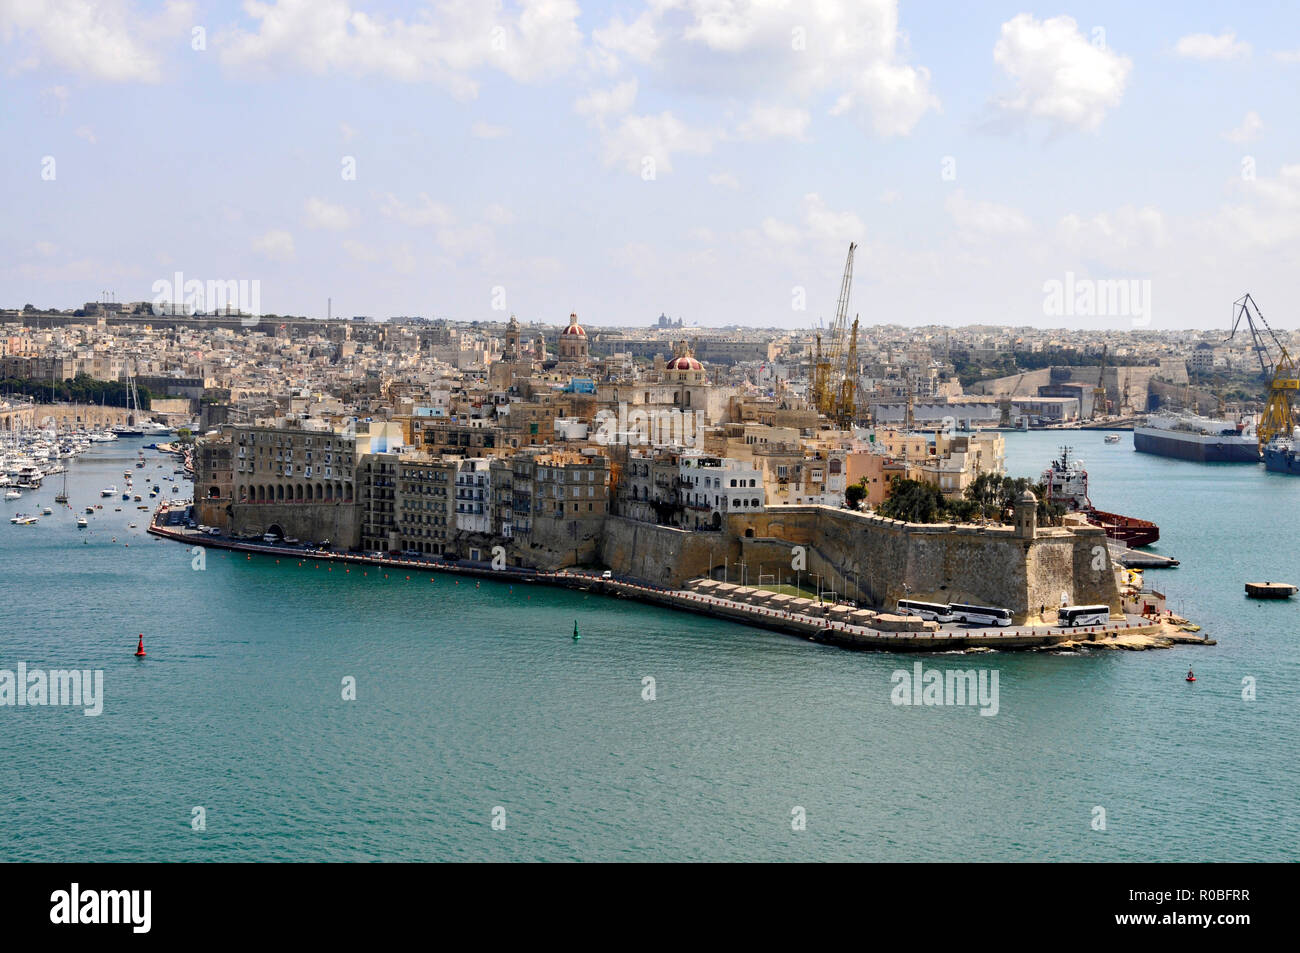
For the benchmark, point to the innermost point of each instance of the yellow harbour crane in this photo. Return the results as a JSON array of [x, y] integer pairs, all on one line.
[[834, 371], [1282, 376]]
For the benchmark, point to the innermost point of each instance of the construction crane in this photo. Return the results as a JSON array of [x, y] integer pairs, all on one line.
[[828, 364], [1099, 407], [1281, 374], [845, 410]]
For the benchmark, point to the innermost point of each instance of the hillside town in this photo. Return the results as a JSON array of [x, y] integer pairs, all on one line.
[[448, 438]]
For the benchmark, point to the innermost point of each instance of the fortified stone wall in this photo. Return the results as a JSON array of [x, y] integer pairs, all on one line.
[[876, 561], [340, 523]]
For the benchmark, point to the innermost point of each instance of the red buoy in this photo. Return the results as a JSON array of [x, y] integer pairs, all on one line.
[[139, 649]]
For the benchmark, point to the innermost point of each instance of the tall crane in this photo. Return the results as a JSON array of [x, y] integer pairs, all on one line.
[[845, 409], [826, 389], [1281, 374], [1099, 407]]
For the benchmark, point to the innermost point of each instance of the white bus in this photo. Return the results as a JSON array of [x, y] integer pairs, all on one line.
[[933, 611], [1083, 615], [984, 615]]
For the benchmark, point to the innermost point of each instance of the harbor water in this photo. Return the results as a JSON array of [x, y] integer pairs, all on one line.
[[474, 703]]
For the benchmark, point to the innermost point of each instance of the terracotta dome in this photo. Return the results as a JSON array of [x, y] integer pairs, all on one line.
[[574, 327], [684, 364]]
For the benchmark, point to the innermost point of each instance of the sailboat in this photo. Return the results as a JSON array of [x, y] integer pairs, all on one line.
[[133, 407], [62, 495]]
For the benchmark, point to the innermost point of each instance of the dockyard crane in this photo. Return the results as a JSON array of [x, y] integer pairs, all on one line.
[[1281, 373], [826, 388], [1099, 401]]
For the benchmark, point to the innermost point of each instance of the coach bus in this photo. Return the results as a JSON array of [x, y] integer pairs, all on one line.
[[984, 615], [1083, 615], [932, 611]]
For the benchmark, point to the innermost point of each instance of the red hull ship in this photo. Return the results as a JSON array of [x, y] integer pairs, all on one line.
[[1067, 484]]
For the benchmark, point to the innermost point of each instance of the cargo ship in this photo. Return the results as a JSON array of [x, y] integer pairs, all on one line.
[[1067, 484], [1189, 436], [1282, 455]]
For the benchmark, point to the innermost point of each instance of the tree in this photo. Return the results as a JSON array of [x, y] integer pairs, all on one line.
[[855, 493], [913, 502]]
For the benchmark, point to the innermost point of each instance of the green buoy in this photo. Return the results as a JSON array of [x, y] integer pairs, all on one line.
[[576, 636]]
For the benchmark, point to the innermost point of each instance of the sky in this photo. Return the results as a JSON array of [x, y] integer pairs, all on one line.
[[1100, 165]]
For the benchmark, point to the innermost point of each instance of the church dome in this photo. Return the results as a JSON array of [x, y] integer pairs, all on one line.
[[684, 363], [574, 327]]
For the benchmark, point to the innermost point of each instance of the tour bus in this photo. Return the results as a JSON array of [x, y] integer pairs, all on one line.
[[1083, 615], [985, 615], [932, 611]]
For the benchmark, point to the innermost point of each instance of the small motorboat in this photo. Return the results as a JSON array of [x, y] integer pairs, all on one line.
[[90, 509], [46, 511], [13, 495], [81, 522], [1112, 438]]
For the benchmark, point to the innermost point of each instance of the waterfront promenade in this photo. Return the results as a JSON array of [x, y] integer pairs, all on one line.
[[841, 625]]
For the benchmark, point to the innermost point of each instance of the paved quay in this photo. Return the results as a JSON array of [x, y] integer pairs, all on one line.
[[842, 625]]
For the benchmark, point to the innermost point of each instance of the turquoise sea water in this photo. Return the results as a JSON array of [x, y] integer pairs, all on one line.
[[471, 698]]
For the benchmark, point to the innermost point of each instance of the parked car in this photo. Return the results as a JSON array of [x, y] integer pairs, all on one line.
[[607, 574]]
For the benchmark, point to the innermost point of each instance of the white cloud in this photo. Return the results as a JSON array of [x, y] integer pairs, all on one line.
[[1205, 46], [657, 138], [107, 40], [820, 225], [724, 180], [277, 244], [321, 214], [775, 122], [1268, 215], [637, 40], [1125, 228], [1287, 56], [485, 130], [445, 45], [1249, 129], [85, 132], [1059, 75], [424, 211], [852, 50], [976, 218], [601, 104]]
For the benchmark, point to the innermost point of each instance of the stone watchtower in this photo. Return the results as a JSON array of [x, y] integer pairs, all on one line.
[[1026, 509]]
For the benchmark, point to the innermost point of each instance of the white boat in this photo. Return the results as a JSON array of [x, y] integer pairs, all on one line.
[[12, 495], [1112, 438], [108, 491], [46, 511], [22, 519], [81, 522]]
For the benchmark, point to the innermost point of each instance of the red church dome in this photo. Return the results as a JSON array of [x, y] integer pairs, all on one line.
[[574, 327]]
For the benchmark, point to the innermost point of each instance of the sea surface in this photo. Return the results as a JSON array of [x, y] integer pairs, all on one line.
[[474, 704]]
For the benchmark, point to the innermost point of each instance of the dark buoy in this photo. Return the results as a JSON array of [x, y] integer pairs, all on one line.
[[576, 636], [139, 649], [1190, 676]]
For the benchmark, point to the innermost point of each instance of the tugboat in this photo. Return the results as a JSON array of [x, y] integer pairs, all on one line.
[[1067, 484], [1282, 455]]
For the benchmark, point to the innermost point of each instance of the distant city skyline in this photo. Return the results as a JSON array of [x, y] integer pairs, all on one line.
[[622, 160]]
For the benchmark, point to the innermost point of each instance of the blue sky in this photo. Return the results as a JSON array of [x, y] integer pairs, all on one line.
[[503, 156]]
